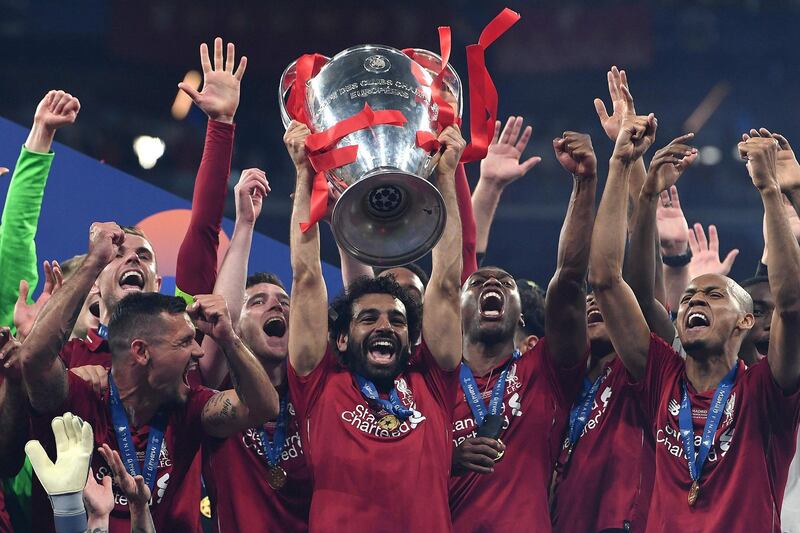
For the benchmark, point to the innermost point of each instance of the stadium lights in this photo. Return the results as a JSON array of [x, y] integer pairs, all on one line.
[[710, 155], [148, 150]]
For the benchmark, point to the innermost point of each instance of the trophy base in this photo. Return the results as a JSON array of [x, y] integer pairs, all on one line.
[[388, 218]]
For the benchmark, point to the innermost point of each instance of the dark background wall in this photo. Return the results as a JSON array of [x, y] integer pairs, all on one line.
[[124, 59]]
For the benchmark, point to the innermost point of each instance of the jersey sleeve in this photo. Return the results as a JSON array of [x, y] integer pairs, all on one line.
[[18, 227], [304, 391], [196, 270]]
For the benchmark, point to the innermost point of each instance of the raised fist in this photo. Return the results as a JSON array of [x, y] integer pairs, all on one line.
[[454, 145], [56, 109], [761, 154], [295, 141], [211, 316], [636, 135], [251, 190], [575, 153], [105, 239]]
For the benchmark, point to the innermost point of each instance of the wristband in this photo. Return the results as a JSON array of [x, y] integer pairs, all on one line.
[[678, 260], [68, 512]]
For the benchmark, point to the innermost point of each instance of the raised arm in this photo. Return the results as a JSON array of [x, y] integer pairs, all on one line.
[[565, 303], [253, 399], [784, 263], [308, 321], [250, 192], [13, 407], [441, 322], [43, 372], [666, 167], [623, 318], [197, 256], [24, 199], [499, 169], [673, 233]]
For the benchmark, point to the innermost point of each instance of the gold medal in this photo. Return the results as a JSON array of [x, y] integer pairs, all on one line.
[[694, 492], [500, 454], [389, 422], [276, 477]]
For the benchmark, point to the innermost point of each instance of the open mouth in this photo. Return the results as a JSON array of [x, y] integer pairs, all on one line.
[[594, 316], [131, 280], [382, 350], [275, 326], [697, 319], [491, 304], [191, 367]]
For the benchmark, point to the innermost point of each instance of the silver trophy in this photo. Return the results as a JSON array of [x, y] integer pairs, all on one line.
[[388, 213]]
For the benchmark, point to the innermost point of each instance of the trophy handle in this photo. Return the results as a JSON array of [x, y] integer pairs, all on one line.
[[284, 86], [432, 62]]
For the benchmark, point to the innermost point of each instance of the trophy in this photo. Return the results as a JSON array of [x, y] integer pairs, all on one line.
[[389, 213]]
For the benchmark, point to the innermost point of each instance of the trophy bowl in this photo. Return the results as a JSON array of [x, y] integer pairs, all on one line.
[[389, 213]]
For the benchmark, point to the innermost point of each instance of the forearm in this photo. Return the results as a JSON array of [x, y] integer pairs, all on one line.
[[40, 139], [468, 225], [98, 524], [305, 255], [575, 240], [141, 519], [608, 239], [784, 267], [251, 382], [197, 257], [352, 269], [446, 257], [233, 273], [485, 199], [635, 182], [13, 427], [676, 279], [18, 227]]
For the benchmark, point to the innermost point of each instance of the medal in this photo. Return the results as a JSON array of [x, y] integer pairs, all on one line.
[[389, 422], [694, 492], [276, 477], [489, 418], [500, 454]]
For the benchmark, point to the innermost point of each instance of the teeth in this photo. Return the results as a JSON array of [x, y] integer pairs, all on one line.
[[703, 319], [132, 277], [490, 293]]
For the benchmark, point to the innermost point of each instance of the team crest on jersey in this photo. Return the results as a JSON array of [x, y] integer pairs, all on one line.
[[363, 419], [674, 407], [729, 407]]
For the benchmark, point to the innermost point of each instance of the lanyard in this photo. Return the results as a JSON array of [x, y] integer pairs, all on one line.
[[125, 441], [579, 415], [274, 448], [102, 331], [696, 460], [473, 396], [393, 405]]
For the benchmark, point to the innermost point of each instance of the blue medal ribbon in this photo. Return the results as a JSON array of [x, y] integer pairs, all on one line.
[[579, 414], [102, 331], [274, 448], [696, 460], [393, 405], [473, 395], [125, 441]]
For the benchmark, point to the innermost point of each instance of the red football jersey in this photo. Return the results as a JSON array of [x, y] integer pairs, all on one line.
[[182, 437], [607, 481], [366, 478], [537, 400], [743, 479], [235, 472]]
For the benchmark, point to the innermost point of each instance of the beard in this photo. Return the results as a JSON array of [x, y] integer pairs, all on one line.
[[355, 358], [492, 333]]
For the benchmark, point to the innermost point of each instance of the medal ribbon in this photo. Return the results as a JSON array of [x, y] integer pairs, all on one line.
[[274, 448], [579, 415], [393, 405], [125, 441], [473, 395], [696, 460]]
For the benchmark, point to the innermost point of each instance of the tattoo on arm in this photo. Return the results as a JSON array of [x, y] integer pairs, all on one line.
[[219, 410]]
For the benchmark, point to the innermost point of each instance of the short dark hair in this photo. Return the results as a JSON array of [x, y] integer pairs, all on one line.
[[755, 280], [413, 267], [138, 315], [134, 230], [264, 277], [531, 297], [341, 311]]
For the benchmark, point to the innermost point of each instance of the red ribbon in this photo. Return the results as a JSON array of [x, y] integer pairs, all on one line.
[[306, 67], [427, 141], [361, 120], [482, 92]]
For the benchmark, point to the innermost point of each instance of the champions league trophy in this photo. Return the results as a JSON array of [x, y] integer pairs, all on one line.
[[388, 213]]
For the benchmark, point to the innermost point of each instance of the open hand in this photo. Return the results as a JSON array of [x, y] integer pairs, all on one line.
[[620, 107], [705, 253], [98, 498], [673, 230], [219, 98], [134, 488], [502, 166], [25, 314]]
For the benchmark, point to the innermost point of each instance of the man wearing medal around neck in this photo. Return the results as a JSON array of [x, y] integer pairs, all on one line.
[[258, 479], [736, 424], [150, 414], [375, 420], [512, 406]]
